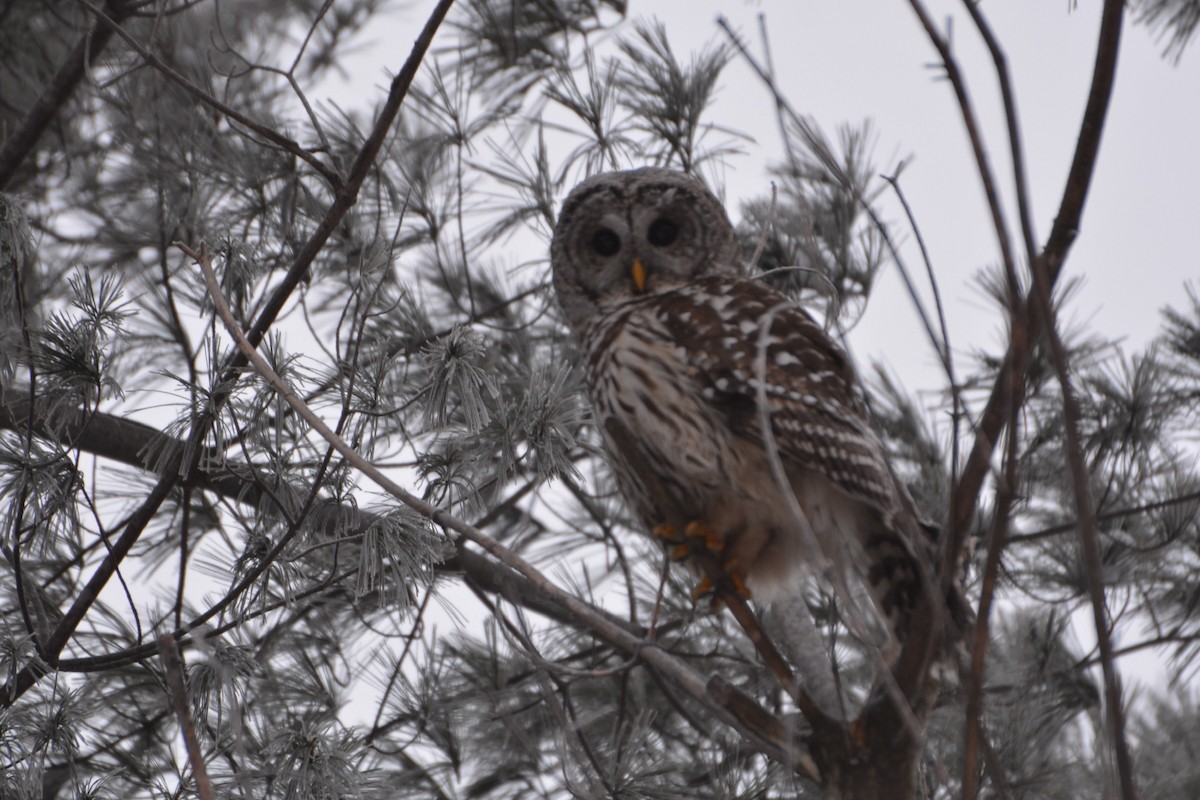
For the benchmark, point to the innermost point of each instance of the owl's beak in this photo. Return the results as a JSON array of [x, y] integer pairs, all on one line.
[[638, 272]]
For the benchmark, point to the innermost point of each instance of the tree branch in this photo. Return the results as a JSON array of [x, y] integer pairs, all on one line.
[[21, 141], [177, 691], [1007, 391], [1089, 535]]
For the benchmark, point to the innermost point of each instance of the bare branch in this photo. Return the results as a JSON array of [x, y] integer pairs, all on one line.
[[1089, 535], [974, 737], [1008, 391]]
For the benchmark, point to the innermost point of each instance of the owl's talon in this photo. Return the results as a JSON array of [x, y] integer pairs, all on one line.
[[713, 542], [739, 584], [858, 731], [702, 589], [665, 532]]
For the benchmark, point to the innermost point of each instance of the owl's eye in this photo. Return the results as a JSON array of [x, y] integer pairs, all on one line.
[[662, 232], [605, 242]]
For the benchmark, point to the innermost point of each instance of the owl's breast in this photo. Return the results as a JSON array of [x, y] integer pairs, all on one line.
[[668, 443]]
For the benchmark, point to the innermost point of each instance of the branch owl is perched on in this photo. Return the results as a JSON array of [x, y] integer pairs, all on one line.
[[689, 364]]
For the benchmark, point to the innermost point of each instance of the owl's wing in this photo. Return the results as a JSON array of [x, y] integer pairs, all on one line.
[[734, 332]]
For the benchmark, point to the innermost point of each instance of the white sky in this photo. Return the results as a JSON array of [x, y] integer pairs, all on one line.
[[846, 61]]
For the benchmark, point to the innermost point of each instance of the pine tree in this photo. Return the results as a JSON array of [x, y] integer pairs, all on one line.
[[184, 551]]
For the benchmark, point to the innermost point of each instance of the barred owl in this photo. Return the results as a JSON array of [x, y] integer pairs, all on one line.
[[724, 407]]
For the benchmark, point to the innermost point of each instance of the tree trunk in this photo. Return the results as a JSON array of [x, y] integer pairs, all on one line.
[[876, 756]]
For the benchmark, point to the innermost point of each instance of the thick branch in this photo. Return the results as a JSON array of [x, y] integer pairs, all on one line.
[[21, 142], [127, 442]]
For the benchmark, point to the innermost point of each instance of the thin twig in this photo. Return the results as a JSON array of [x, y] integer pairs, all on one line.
[[195, 91], [1108, 516], [959, 408], [974, 134], [1015, 142]]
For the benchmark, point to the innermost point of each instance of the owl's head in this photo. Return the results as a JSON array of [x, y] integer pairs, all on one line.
[[624, 234]]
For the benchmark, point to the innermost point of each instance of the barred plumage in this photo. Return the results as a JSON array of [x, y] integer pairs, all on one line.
[[689, 364]]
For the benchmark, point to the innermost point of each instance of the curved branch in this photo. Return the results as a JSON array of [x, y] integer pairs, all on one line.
[[582, 614]]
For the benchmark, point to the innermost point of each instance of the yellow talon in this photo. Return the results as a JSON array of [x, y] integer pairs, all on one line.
[[713, 542], [736, 580], [666, 531], [701, 541], [858, 731]]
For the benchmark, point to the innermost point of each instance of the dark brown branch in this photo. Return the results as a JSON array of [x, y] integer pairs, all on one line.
[[1039, 314], [974, 736], [1089, 535], [1087, 145], [21, 141], [1007, 390]]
